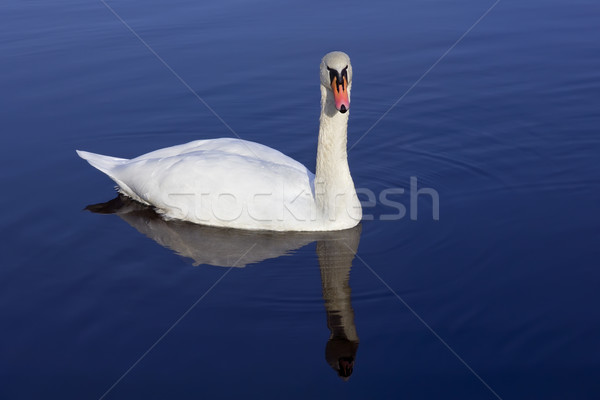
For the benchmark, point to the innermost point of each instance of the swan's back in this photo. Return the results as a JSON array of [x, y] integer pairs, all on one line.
[[230, 146]]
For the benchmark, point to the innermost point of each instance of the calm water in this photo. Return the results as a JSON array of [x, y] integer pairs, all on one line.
[[504, 128]]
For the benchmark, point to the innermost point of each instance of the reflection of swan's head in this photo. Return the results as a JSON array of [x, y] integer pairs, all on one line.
[[340, 354], [336, 76]]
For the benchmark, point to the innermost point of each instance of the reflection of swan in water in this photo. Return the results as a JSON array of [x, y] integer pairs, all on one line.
[[233, 247], [221, 247], [335, 260]]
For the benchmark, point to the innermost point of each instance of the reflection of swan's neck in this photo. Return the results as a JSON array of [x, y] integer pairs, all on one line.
[[335, 259], [334, 188]]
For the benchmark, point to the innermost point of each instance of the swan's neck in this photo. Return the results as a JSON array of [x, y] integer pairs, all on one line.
[[334, 189]]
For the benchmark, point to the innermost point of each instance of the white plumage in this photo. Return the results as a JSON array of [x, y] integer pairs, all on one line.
[[239, 184]]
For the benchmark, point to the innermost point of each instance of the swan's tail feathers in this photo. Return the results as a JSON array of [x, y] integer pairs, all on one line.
[[109, 165], [104, 163]]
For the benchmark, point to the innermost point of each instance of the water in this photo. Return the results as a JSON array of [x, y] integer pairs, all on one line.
[[504, 128]]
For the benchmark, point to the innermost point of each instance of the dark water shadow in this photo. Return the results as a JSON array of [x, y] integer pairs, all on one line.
[[238, 248]]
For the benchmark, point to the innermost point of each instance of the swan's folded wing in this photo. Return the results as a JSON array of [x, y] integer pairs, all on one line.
[[222, 188], [231, 146]]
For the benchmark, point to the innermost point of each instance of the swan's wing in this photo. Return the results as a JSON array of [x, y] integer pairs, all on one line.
[[230, 187], [231, 146]]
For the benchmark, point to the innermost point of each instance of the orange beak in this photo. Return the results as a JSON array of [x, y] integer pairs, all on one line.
[[340, 94]]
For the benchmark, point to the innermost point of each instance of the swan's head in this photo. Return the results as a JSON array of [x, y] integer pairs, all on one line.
[[336, 75]]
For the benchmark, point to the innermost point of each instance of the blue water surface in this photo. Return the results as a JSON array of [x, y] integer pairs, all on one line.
[[494, 105]]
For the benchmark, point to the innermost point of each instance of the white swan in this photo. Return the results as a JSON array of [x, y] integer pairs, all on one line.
[[239, 184]]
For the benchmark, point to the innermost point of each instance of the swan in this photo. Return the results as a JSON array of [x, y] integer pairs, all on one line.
[[235, 183]]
